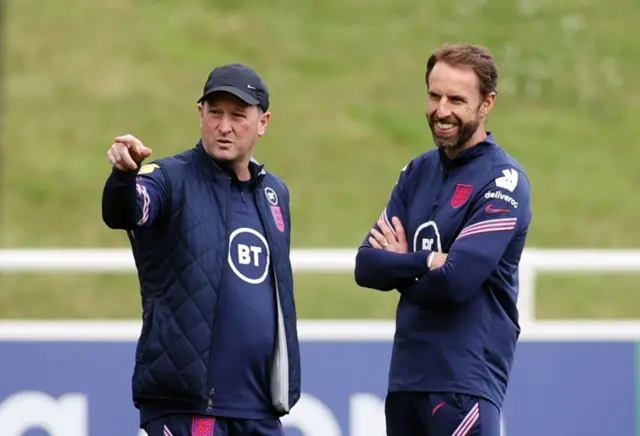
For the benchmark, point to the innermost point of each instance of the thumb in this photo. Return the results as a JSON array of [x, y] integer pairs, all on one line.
[[143, 151]]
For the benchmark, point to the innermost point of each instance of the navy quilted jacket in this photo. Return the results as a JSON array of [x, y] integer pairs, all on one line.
[[181, 262]]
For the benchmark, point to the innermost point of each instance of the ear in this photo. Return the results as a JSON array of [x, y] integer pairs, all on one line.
[[264, 121], [487, 104], [200, 112]]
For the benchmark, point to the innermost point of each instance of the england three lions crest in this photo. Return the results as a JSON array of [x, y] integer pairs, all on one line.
[[461, 195]]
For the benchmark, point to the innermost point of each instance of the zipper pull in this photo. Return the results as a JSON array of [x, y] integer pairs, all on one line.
[[210, 402]]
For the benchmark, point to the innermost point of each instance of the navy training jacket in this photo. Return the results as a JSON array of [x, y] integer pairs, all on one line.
[[180, 241], [456, 326]]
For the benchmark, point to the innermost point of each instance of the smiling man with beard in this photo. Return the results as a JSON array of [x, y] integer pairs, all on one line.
[[450, 241]]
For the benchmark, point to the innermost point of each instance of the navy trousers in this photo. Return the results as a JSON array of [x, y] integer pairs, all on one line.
[[440, 414], [186, 425]]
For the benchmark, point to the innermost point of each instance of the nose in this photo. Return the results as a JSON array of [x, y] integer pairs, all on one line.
[[444, 109], [225, 125]]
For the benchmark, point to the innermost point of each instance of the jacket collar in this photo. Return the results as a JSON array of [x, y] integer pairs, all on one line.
[[221, 171], [468, 154]]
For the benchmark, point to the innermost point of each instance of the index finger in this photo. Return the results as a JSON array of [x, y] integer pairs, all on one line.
[[128, 140]]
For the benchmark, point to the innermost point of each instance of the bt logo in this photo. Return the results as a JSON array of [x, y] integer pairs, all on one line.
[[249, 255], [427, 237]]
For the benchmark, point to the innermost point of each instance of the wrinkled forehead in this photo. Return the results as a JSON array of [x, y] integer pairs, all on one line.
[[446, 79]]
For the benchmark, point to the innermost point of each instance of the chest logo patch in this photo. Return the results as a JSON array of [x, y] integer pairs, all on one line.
[[461, 195], [427, 237], [276, 211], [271, 195], [249, 255]]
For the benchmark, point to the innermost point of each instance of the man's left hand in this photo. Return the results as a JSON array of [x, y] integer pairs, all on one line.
[[386, 239]]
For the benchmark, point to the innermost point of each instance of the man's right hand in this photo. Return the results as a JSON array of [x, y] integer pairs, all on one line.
[[437, 260], [127, 153]]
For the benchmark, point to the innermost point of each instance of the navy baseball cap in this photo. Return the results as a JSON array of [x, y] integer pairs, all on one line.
[[239, 80]]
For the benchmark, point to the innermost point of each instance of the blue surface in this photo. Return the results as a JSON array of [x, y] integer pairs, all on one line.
[[557, 389]]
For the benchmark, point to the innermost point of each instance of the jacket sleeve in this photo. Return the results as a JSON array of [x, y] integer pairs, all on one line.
[[501, 212], [384, 270], [133, 199]]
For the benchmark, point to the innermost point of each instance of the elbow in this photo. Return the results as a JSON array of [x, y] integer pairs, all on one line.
[[372, 283], [360, 278], [366, 276], [109, 217], [113, 223], [113, 220], [116, 213], [367, 281], [119, 202], [360, 270]]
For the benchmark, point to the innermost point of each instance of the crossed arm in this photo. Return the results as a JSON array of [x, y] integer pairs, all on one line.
[[394, 239], [384, 262]]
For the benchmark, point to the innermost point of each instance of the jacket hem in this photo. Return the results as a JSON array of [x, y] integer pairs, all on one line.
[[244, 414], [448, 388], [154, 409]]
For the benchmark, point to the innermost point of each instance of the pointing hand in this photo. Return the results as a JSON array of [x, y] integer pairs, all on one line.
[[127, 153]]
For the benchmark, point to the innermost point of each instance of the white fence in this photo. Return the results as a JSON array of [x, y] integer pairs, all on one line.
[[330, 261]]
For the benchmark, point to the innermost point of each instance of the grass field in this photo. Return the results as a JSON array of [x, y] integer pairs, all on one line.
[[348, 112]]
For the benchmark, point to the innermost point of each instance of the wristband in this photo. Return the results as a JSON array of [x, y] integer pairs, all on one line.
[[430, 259]]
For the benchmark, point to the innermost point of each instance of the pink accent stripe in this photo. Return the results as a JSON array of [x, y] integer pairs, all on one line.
[[167, 432], [468, 422], [142, 192], [438, 406], [497, 225]]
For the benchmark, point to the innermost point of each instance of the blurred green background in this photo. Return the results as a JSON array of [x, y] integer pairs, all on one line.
[[348, 102]]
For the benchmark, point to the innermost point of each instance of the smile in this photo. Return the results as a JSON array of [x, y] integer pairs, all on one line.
[[445, 126]]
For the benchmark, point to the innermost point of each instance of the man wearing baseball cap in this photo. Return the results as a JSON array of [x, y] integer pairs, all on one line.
[[239, 80], [210, 233]]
